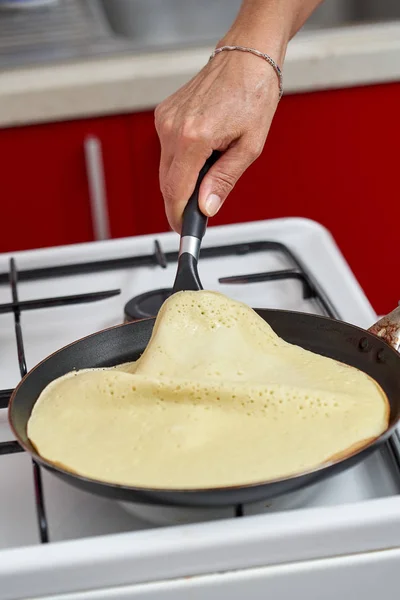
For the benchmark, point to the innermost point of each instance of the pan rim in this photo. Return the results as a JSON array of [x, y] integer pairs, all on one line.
[[377, 442]]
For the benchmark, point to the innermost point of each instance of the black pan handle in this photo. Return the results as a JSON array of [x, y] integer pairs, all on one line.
[[194, 223], [194, 226]]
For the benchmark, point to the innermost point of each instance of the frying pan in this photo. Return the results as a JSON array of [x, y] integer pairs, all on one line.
[[373, 351]]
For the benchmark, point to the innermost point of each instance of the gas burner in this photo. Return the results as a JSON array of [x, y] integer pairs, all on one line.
[[146, 305]]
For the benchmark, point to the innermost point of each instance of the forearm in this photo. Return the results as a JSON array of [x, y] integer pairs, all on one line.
[[268, 25]]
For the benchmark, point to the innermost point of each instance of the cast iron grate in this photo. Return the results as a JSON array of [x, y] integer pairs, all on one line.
[[17, 307]]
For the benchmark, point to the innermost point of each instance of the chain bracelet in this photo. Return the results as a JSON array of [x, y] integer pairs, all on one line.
[[256, 53]]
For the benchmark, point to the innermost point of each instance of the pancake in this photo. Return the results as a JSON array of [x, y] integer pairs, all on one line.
[[216, 399]]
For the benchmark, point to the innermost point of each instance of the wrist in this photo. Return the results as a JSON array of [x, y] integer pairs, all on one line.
[[266, 57], [266, 25], [273, 42]]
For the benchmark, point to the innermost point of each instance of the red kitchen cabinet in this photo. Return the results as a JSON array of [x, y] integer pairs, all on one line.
[[333, 157], [145, 151], [330, 156], [45, 195], [120, 173]]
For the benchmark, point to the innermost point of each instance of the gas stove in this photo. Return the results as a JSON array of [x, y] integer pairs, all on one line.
[[56, 540]]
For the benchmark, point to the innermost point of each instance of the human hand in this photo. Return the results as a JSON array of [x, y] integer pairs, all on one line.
[[229, 107]]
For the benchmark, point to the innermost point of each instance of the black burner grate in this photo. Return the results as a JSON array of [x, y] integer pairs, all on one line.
[[17, 307], [148, 304], [161, 259], [5, 396], [37, 475]]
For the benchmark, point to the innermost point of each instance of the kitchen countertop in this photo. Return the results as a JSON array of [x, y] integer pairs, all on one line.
[[316, 60]]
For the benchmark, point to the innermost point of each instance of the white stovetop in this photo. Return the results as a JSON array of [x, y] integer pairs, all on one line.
[[352, 503], [311, 242]]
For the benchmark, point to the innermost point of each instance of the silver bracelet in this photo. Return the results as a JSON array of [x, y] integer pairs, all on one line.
[[257, 53]]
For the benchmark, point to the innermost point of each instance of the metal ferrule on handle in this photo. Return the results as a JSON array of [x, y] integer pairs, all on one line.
[[194, 222], [194, 225], [190, 245]]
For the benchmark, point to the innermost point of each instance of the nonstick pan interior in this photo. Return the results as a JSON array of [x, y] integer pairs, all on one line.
[[335, 339]]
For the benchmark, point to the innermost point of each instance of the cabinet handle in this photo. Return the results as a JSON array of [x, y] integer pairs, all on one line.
[[97, 188]]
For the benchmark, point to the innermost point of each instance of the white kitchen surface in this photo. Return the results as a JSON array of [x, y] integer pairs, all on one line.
[[100, 543], [341, 57]]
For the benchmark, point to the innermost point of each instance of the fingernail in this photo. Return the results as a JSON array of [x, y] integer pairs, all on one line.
[[213, 204]]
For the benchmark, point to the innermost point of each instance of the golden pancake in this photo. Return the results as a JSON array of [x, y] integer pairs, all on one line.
[[217, 399]]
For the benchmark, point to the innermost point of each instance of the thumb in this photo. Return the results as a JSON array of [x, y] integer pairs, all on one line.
[[223, 175]]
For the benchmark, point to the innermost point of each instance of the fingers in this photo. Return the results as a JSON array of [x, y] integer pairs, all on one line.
[[179, 170], [222, 108], [178, 185], [165, 130], [178, 181], [222, 177]]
